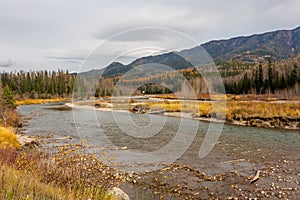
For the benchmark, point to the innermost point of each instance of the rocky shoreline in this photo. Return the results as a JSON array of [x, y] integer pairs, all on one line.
[[274, 122]]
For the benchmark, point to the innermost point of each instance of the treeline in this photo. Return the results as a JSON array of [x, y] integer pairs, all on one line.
[[265, 81], [228, 69], [40, 84]]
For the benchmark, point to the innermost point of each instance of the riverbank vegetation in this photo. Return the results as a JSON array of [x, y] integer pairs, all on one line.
[[268, 112], [33, 174], [233, 109], [8, 138]]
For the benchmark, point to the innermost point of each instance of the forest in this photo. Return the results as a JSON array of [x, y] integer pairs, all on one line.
[[265, 79], [239, 78], [40, 84]]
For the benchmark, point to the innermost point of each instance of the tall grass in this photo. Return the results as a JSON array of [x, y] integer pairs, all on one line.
[[8, 138], [263, 109], [231, 108], [69, 173], [16, 184]]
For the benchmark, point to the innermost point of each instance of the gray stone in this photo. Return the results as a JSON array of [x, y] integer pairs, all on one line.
[[118, 193]]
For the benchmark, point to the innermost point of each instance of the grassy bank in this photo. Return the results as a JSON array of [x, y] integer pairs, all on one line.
[[231, 108], [40, 101], [251, 113], [21, 180]]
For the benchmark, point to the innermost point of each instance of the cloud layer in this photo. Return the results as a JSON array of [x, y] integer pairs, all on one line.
[[56, 34]]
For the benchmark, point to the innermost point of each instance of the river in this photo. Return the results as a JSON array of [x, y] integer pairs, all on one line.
[[149, 142]]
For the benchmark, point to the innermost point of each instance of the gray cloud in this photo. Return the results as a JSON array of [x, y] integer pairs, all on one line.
[[51, 33]]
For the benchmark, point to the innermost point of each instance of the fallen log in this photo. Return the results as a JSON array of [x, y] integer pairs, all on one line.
[[256, 177]]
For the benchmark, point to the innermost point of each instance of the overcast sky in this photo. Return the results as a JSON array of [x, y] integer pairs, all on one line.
[[52, 34]]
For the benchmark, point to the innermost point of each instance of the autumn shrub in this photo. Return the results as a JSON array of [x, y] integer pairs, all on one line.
[[66, 173], [8, 156], [73, 168], [8, 138]]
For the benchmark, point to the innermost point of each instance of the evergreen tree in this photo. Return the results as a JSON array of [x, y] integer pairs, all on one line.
[[260, 79], [270, 81], [246, 84], [292, 78], [97, 93], [282, 82], [8, 98]]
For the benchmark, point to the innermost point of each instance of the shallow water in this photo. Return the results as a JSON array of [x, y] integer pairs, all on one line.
[[153, 141]]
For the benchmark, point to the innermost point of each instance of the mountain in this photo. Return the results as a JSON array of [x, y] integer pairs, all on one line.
[[169, 59], [116, 69], [277, 44]]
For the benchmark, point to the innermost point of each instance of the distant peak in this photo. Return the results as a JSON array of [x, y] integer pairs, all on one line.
[[116, 63]]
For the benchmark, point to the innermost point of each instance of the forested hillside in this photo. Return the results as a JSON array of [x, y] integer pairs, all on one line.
[[279, 44]]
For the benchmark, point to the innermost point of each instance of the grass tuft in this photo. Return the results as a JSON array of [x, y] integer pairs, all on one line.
[[8, 138]]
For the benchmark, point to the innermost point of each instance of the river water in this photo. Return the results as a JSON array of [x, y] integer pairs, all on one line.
[[149, 142]]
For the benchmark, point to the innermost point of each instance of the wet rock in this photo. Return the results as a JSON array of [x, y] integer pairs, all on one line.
[[140, 109], [118, 193]]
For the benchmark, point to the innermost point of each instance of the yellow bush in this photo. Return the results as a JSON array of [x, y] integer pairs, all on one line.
[[8, 138]]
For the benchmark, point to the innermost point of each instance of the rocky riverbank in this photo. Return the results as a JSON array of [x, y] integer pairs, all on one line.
[[267, 122]]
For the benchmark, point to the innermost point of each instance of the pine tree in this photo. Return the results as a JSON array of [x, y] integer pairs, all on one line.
[[8, 98], [260, 78], [292, 78], [270, 81], [97, 93]]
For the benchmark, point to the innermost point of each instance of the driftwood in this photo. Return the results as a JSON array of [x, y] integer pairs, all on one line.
[[140, 109], [230, 161], [233, 161], [119, 148], [256, 177]]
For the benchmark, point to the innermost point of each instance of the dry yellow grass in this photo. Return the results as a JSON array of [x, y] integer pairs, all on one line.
[[231, 108], [31, 174], [8, 138], [40, 101], [19, 185], [263, 109]]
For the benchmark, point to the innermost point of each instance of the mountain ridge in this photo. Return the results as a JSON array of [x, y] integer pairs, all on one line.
[[278, 44]]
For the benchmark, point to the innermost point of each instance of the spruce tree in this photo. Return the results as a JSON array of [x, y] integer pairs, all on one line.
[[8, 98]]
